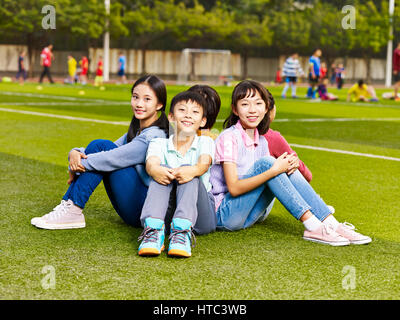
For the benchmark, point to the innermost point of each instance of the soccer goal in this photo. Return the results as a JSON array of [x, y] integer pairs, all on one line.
[[213, 66]]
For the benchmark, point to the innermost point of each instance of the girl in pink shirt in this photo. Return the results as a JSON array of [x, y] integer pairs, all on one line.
[[246, 178]]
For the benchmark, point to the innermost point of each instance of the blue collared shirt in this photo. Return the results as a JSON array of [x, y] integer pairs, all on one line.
[[164, 149]]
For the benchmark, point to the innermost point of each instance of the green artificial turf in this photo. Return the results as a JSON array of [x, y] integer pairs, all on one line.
[[267, 261]]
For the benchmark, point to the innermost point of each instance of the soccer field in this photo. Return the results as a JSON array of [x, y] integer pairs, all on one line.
[[352, 149]]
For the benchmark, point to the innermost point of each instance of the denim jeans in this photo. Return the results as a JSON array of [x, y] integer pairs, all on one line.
[[294, 192], [124, 187]]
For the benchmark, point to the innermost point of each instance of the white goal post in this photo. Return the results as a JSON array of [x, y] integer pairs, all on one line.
[[214, 66]]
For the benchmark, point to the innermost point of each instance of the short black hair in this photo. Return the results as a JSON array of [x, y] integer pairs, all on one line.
[[360, 82], [189, 96], [213, 103]]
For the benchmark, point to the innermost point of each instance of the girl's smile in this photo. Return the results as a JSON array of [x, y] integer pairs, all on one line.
[[144, 103], [251, 110]]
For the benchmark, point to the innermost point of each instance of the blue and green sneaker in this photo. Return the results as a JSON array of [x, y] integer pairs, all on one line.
[[181, 238], [152, 238]]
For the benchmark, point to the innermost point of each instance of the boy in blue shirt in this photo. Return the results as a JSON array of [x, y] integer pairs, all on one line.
[[184, 159], [314, 73]]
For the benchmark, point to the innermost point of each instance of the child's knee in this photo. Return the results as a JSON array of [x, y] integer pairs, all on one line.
[[99, 145], [265, 162]]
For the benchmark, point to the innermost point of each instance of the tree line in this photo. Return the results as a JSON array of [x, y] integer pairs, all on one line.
[[264, 28]]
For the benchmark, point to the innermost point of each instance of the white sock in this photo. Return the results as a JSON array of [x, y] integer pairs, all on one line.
[[285, 89], [331, 221], [293, 90], [312, 223]]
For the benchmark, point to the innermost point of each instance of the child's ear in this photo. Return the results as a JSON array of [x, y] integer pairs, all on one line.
[[234, 110], [203, 122], [171, 117]]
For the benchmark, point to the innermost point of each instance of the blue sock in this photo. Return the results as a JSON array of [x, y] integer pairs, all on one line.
[[309, 92]]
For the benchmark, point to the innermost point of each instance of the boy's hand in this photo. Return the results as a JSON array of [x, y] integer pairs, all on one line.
[[184, 174], [162, 175], [75, 161], [294, 164]]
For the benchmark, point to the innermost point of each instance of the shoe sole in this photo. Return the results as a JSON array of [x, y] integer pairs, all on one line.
[[356, 242], [335, 244], [60, 226], [150, 252], [179, 253]]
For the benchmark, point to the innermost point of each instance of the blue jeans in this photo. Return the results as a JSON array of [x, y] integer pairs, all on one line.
[[124, 187], [294, 192]]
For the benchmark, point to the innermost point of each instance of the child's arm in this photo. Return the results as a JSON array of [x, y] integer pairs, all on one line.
[[277, 145], [159, 173], [206, 155], [187, 173], [237, 187]]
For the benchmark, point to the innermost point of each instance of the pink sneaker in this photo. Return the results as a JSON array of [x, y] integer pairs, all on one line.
[[326, 235], [64, 216], [346, 230]]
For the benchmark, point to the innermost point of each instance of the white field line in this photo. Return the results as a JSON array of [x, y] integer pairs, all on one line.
[[330, 119], [61, 103], [55, 97], [369, 155], [125, 123], [50, 115]]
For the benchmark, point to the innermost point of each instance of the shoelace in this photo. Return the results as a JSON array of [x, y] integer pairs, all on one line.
[[149, 235], [328, 229], [348, 225], [59, 210], [349, 228], [179, 236]]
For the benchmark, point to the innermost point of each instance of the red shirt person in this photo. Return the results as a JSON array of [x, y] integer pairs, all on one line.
[[45, 60]]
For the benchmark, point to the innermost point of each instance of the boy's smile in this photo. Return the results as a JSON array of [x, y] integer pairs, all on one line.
[[188, 117]]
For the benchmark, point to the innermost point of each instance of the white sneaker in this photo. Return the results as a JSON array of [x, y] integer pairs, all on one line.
[[326, 235], [347, 230], [64, 216]]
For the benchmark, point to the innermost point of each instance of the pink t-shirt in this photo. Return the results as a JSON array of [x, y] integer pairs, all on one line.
[[235, 145]]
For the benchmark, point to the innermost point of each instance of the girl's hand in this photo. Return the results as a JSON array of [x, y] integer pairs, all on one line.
[[75, 161], [294, 164], [162, 175], [71, 177], [184, 174], [281, 164]]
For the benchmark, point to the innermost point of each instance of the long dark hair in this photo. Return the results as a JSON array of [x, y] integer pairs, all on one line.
[[159, 89], [213, 102], [248, 88]]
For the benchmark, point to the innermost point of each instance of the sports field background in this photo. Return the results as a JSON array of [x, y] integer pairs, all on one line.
[[267, 261]]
